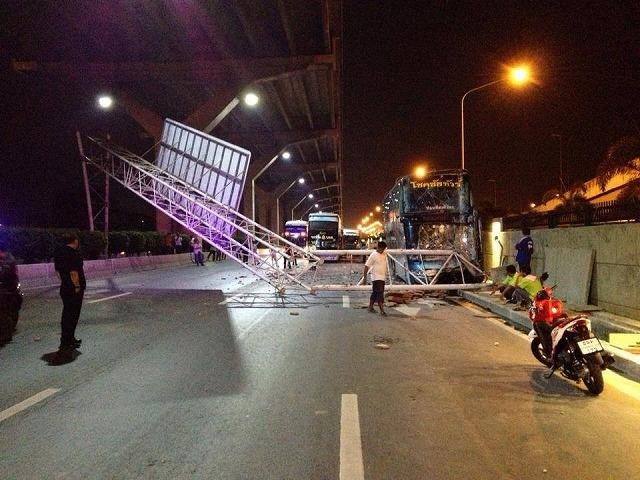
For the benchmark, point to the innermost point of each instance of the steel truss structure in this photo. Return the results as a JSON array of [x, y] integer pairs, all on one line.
[[235, 235], [452, 260]]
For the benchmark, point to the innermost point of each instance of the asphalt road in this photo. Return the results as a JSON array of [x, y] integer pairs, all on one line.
[[198, 373]]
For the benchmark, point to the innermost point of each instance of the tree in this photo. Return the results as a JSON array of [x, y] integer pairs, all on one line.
[[622, 158]]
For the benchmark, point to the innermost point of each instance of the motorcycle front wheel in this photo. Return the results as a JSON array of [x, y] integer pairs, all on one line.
[[538, 351], [594, 381]]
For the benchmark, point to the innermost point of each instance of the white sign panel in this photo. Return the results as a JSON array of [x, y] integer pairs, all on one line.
[[209, 164]]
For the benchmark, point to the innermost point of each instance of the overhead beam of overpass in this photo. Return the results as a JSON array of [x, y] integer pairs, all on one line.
[[278, 137], [203, 71]]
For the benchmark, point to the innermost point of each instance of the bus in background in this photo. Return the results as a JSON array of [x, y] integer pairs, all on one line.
[[297, 231], [324, 231], [350, 239], [434, 213]]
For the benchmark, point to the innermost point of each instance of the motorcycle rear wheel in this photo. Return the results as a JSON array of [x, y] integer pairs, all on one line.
[[594, 381], [538, 351]]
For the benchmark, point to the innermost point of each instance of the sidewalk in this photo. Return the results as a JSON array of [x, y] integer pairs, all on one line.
[[603, 325]]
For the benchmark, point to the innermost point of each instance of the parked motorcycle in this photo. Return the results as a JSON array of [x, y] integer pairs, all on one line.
[[566, 343]]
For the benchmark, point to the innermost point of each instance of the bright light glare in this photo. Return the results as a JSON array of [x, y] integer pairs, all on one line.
[[520, 75], [301, 181], [532, 205], [378, 209], [316, 205], [310, 195], [286, 155], [251, 99], [105, 101], [420, 171], [371, 214]]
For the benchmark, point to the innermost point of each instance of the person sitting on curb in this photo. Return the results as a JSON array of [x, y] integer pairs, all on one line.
[[506, 283], [526, 287]]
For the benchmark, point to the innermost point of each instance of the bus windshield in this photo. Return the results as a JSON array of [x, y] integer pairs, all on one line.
[[324, 230], [296, 231], [432, 213]]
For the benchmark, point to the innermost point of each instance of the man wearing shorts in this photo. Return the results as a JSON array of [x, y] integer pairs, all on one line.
[[377, 266]]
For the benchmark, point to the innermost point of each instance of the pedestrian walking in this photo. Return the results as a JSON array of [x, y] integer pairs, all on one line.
[[68, 263], [198, 256], [177, 244], [377, 265]]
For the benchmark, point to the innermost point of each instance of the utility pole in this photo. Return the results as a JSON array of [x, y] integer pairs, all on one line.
[[562, 152]]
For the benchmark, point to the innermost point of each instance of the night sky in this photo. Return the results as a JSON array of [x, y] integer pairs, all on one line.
[[406, 67]]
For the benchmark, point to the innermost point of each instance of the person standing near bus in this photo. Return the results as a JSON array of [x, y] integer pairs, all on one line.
[[524, 249], [377, 265]]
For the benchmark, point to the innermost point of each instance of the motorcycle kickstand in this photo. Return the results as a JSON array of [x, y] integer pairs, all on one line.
[[550, 372]]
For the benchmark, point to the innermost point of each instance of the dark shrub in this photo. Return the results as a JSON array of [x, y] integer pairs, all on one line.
[[154, 242], [118, 242], [136, 242]]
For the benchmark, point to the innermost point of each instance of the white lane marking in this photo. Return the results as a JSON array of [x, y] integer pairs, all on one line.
[[346, 301], [351, 466], [230, 299], [407, 310], [109, 298], [38, 397], [251, 326]]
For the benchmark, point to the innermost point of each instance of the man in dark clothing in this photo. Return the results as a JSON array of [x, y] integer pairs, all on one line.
[[69, 265], [524, 249]]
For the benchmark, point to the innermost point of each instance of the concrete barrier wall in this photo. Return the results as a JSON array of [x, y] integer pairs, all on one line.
[[43, 274], [616, 271]]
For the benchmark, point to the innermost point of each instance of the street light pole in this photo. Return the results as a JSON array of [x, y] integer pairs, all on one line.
[[462, 113], [253, 186], [495, 194], [559, 137], [297, 180], [310, 196]]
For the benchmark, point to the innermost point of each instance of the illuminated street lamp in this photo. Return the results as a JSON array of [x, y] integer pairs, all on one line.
[[105, 102], [420, 171], [378, 209], [517, 76], [251, 99], [316, 205], [310, 197], [532, 205], [286, 155]]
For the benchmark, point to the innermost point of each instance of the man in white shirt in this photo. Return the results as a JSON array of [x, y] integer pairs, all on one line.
[[377, 266]]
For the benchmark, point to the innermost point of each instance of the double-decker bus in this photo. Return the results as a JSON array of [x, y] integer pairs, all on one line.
[[434, 213], [296, 231], [324, 231]]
